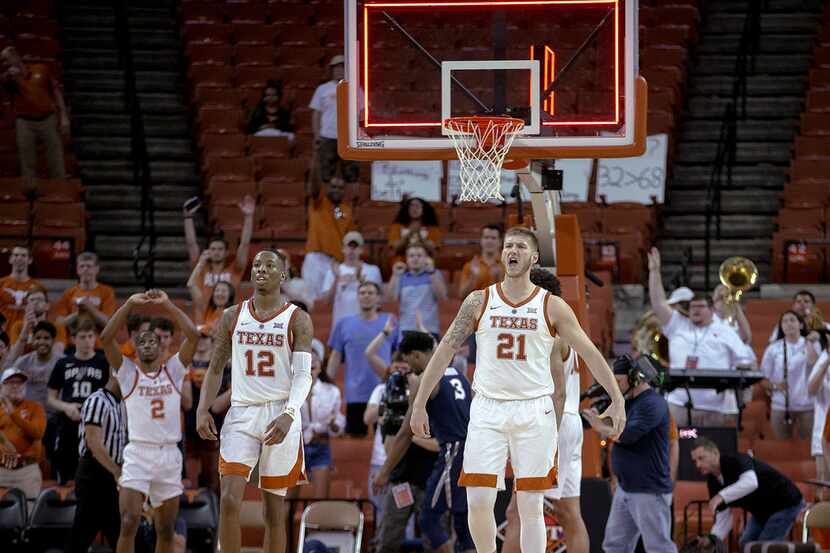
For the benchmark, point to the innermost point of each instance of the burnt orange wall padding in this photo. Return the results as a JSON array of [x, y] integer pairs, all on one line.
[[570, 268]]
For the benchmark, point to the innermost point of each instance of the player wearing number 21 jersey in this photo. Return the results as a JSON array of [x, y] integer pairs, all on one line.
[[268, 343], [151, 390], [512, 414]]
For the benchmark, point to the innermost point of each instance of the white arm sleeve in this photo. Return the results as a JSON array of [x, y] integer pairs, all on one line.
[[746, 484], [301, 382], [723, 524]]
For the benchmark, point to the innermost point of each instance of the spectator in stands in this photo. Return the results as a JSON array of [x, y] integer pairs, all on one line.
[[74, 379], [786, 365], [697, 342], [136, 324], [22, 424], [102, 437], [294, 288], [321, 419], [804, 303], [40, 113], [205, 451], [342, 280], [418, 286], [742, 481], [38, 364], [15, 287], [37, 309], [88, 298], [324, 127], [818, 386], [348, 344], [485, 268], [416, 222], [329, 219], [208, 309], [724, 310], [215, 266], [269, 117]]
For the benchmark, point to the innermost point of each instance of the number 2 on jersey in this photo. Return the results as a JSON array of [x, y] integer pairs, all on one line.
[[508, 343], [264, 365], [157, 408]]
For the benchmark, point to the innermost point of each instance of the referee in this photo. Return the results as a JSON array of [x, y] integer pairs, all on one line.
[[103, 435]]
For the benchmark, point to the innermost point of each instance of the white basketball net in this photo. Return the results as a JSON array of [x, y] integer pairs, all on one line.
[[481, 143]]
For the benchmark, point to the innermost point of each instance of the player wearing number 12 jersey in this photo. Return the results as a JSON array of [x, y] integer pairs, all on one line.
[[151, 390], [268, 342], [512, 413]]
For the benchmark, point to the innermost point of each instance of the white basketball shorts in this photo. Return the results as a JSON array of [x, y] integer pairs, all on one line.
[[569, 472], [155, 470], [523, 429], [241, 447]]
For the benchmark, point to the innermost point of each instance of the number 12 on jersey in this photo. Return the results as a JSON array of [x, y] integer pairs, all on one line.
[[264, 363], [511, 347]]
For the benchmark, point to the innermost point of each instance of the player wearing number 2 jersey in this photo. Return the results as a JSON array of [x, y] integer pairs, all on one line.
[[151, 390], [268, 342], [512, 412]]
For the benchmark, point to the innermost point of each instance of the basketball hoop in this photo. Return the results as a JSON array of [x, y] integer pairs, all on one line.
[[482, 144]]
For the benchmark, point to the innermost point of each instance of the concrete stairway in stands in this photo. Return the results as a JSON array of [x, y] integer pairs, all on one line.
[[775, 95], [95, 74]]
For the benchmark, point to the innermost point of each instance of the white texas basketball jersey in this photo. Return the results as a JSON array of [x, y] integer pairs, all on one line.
[[153, 401], [572, 388], [261, 356], [513, 347]]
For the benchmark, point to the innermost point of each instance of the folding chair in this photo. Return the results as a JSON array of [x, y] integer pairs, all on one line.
[[52, 518], [199, 508], [13, 515], [337, 524], [815, 517]]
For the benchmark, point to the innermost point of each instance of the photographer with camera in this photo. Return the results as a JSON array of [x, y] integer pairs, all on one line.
[[640, 459]]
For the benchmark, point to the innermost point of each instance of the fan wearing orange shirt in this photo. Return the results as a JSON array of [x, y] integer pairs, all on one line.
[[17, 285], [329, 219], [208, 308], [486, 268], [37, 309], [88, 298], [212, 265], [22, 425]]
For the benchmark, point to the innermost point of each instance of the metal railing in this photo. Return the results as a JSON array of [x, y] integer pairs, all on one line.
[[144, 251], [735, 111]]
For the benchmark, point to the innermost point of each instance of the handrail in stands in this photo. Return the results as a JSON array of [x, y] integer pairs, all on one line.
[[734, 111], [138, 147]]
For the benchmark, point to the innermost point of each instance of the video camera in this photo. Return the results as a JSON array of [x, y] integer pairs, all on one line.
[[395, 403], [642, 369]]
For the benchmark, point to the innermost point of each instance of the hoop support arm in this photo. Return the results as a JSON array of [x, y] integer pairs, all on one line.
[[545, 204]]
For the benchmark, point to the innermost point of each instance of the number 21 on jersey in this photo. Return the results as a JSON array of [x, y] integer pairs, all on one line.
[[511, 347]]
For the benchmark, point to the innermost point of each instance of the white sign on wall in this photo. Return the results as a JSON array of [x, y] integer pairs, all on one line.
[[392, 180], [576, 174], [635, 179]]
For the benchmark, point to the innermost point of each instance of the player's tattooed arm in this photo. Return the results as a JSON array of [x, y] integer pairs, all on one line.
[[465, 321], [302, 332], [222, 347]]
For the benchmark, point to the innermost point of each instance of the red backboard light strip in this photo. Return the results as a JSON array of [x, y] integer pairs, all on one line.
[[399, 124]]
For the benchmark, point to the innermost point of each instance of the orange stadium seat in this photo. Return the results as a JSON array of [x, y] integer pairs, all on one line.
[[64, 220], [59, 190], [221, 121], [822, 56], [14, 218], [243, 12], [37, 48], [218, 97], [374, 219], [254, 55], [281, 170], [254, 33], [284, 221], [309, 56], [210, 75], [803, 262], [773, 451], [229, 169], [299, 14], [223, 145], [807, 195], [820, 77], [468, 219], [818, 101], [663, 56], [282, 193], [810, 170], [230, 218], [230, 192], [221, 54], [812, 147], [815, 124], [806, 218], [299, 36], [660, 122], [269, 146], [207, 33], [202, 12], [255, 76], [12, 189]]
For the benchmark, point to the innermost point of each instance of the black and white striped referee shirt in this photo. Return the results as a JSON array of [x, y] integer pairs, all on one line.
[[105, 410]]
